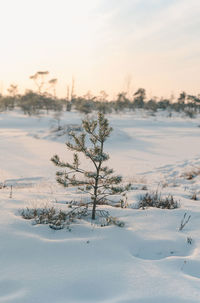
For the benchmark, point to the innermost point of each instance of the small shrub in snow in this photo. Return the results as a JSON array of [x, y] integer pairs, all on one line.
[[53, 217], [58, 219], [154, 199]]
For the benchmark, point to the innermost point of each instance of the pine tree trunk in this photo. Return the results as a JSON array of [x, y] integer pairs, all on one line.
[[96, 184], [94, 209], [95, 193], [95, 196]]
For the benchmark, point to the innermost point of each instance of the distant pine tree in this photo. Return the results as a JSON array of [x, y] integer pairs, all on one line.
[[99, 183]]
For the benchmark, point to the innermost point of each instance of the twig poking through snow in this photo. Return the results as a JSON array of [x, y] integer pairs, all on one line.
[[184, 221]]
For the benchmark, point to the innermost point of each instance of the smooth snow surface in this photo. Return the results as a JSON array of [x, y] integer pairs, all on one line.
[[147, 261]]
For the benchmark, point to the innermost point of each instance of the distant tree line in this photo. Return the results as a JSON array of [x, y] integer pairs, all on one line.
[[45, 99], [188, 104]]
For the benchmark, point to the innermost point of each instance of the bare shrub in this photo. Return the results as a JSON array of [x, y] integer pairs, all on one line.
[[184, 221], [154, 199]]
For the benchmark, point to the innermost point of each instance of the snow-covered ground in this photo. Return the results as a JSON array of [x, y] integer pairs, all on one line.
[[147, 261]]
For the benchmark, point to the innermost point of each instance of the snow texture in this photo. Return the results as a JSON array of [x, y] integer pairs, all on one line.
[[147, 261]]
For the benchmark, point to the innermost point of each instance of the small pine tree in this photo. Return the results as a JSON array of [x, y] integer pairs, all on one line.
[[99, 183]]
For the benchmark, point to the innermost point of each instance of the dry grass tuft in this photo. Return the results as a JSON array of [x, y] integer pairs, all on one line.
[[154, 199]]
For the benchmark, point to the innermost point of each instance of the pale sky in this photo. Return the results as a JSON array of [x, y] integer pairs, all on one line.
[[110, 45]]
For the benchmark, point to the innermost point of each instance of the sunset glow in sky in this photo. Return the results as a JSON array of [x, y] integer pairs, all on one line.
[[110, 45]]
